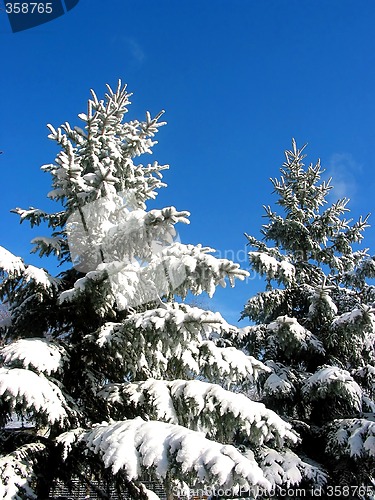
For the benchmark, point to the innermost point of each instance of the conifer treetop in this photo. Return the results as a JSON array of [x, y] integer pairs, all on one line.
[[307, 235]]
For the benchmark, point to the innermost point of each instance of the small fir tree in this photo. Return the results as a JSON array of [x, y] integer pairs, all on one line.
[[314, 326], [117, 379]]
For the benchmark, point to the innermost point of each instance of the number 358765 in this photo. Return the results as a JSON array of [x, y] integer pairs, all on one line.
[[28, 8]]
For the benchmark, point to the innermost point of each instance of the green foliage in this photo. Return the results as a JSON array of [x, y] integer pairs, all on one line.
[[315, 323]]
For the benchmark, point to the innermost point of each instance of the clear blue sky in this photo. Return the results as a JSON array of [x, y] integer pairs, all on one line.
[[237, 78]]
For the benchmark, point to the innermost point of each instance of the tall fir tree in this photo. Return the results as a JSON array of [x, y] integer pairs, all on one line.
[[314, 326], [119, 379]]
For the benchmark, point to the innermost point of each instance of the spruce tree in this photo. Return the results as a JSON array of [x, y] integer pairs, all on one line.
[[314, 326], [117, 377]]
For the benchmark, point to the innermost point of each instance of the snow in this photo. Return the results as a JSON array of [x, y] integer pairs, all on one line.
[[40, 276], [300, 336], [203, 405], [156, 391], [266, 264], [109, 333], [155, 345], [126, 281], [356, 437], [287, 270], [278, 385], [262, 301], [187, 319], [175, 269], [67, 295], [191, 267], [9, 263], [367, 371], [111, 158], [150, 494], [281, 467], [17, 472], [291, 323], [55, 194], [228, 362], [348, 317], [113, 227], [198, 357], [49, 242], [39, 354], [33, 392], [328, 375], [319, 296], [313, 472], [68, 439], [136, 445], [24, 214], [368, 403]]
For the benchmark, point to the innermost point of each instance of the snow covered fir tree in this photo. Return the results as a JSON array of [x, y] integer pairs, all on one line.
[[314, 327], [118, 379]]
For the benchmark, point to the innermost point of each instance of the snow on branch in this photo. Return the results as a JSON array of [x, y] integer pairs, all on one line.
[[36, 216], [321, 302], [150, 494], [37, 354], [203, 407], [286, 468], [203, 271], [279, 385], [13, 268], [17, 472], [357, 318], [265, 264], [111, 230], [336, 382], [282, 382], [142, 234], [123, 283], [68, 439], [156, 351], [46, 245], [292, 336], [24, 389], [184, 319], [138, 446], [10, 264], [354, 437], [40, 277], [221, 363], [177, 269]]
